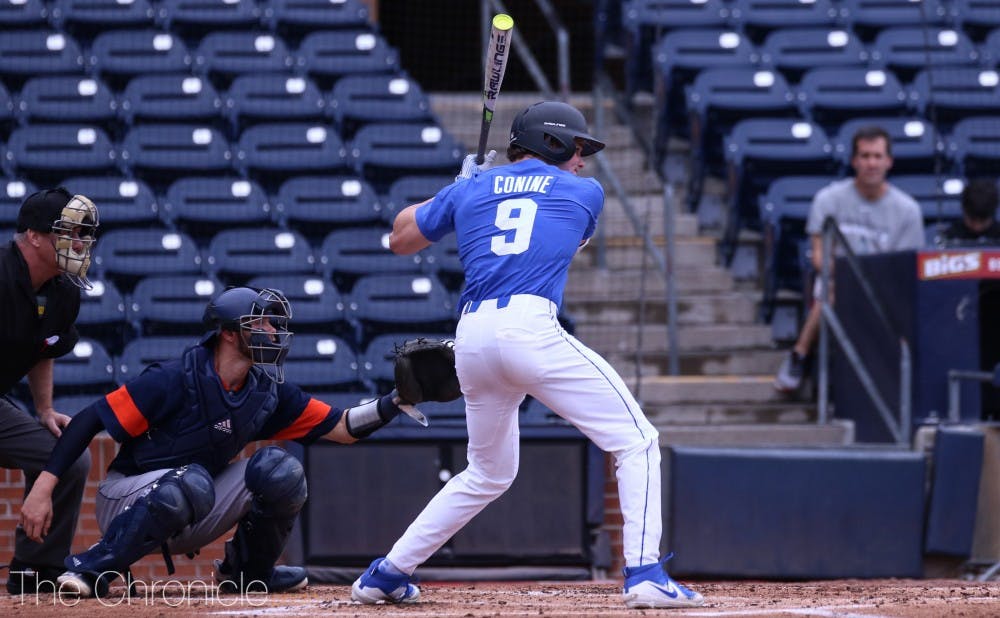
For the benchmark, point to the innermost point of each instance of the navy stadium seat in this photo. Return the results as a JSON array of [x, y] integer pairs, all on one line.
[[331, 54], [88, 368], [868, 17], [12, 194], [832, 96], [974, 145], [102, 314], [908, 50], [6, 111], [915, 143], [238, 255], [171, 304], [161, 153], [384, 152], [195, 18], [122, 202], [760, 150], [128, 255], [273, 152], [977, 17], [119, 55], [144, 351], [315, 205], [71, 404], [317, 305], [759, 17], [23, 14], [274, 97], [299, 16], [85, 18], [321, 362], [443, 259], [224, 55], [956, 93], [47, 152], [67, 98], [940, 197], [396, 302], [361, 99], [353, 252], [202, 206], [412, 190], [177, 97], [29, 53], [716, 101], [793, 50]]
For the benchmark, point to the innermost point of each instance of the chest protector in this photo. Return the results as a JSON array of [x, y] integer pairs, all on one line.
[[212, 426]]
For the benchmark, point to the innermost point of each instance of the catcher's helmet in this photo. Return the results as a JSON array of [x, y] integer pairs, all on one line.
[[244, 310], [550, 128]]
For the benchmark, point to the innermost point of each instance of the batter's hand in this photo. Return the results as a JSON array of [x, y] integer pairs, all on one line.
[[53, 421], [471, 170]]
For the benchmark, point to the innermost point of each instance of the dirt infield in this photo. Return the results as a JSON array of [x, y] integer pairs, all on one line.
[[842, 598]]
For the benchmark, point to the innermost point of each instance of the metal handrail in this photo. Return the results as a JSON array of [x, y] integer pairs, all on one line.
[[900, 430]]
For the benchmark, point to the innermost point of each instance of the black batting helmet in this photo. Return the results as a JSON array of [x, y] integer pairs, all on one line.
[[549, 129]]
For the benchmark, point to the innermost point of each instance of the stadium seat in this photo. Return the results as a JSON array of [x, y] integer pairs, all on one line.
[[160, 153], [360, 99], [196, 18], [915, 143], [47, 152], [237, 255], [6, 112], [120, 55], [129, 255], [67, 98], [909, 50], [102, 315], [384, 152], [784, 210], [88, 368], [31, 53], [376, 362], [350, 253], [956, 93], [442, 257], [317, 305], [202, 206], [760, 150], [832, 96], [12, 194], [940, 197], [718, 99], [760, 17], [412, 190], [315, 205], [395, 302], [86, 18], [171, 304], [224, 55], [974, 146], [868, 17], [330, 54], [71, 404], [977, 17], [322, 363], [295, 17], [793, 51], [122, 202], [173, 97], [273, 152], [144, 351], [273, 98], [678, 57], [23, 14]]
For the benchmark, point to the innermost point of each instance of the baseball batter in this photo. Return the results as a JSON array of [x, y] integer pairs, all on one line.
[[518, 227]]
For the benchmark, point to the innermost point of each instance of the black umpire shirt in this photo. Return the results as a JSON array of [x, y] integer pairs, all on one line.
[[32, 326]]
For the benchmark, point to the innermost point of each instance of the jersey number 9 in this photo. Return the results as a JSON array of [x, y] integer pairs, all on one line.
[[515, 214]]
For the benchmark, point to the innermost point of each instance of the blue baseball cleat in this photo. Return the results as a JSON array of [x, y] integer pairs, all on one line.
[[375, 586], [648, 586]]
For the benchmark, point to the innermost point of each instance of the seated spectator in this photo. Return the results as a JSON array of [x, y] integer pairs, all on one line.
[[978, 224], [874, 217]]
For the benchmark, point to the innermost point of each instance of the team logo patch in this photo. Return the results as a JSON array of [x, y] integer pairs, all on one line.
[[223, 426]]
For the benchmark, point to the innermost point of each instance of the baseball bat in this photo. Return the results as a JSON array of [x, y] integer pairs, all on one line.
[[496, 63]]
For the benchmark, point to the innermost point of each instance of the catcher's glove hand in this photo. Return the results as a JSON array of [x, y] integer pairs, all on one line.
[[425, 371]]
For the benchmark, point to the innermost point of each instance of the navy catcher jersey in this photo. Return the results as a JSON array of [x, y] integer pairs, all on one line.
[[518, 227]]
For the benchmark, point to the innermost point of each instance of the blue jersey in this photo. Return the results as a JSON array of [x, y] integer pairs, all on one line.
[[518, 227]]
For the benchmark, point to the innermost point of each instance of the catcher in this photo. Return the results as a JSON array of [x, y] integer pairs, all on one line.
[[173, 487]]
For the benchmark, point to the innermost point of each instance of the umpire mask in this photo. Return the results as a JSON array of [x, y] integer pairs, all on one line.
[[75, 233]]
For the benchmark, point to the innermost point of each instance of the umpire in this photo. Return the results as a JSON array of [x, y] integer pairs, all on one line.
[[41, 272]]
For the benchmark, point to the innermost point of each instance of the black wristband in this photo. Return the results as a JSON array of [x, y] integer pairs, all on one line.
[[365, 419]]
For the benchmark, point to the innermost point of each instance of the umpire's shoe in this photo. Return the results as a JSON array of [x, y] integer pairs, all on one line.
[[283, 579], [648, 586], [374, 586]]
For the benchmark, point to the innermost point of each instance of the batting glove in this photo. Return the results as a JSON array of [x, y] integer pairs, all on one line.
[[471, 170]]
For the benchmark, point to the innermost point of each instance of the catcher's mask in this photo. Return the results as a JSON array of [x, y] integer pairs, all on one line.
[[261, 319], [72, 220]]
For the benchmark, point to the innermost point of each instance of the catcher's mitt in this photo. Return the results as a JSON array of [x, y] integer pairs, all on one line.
[[425, 371]]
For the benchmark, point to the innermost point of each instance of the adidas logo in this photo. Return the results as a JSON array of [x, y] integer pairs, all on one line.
[[224, 426], [76, 561]]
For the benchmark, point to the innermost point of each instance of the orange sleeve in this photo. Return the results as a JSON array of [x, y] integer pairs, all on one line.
[[314, 413], [126, 412]]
